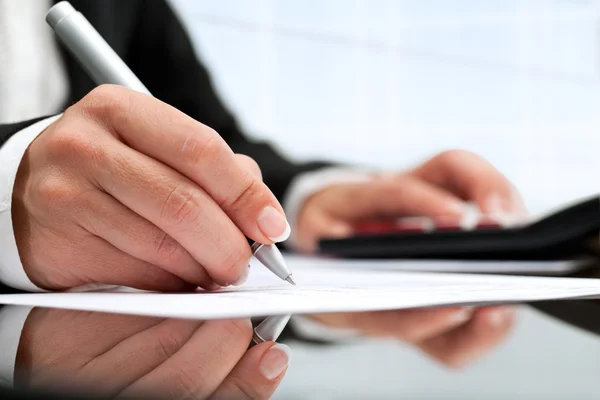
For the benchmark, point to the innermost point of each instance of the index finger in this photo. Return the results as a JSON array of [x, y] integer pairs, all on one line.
[[198, 367], [194, 150]]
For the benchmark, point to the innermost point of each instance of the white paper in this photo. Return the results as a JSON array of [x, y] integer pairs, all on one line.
[[321, 288]]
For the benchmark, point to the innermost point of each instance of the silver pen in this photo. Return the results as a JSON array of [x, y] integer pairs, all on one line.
[[105, 66], [270, 328]]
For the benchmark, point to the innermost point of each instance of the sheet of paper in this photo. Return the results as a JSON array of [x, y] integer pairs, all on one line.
[[321, 288]]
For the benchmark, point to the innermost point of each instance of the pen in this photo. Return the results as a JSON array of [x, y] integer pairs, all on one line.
[[270, 328], [103, 65]]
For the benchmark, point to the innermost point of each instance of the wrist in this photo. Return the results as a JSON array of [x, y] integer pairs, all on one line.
[[12, 322], [11, 153]]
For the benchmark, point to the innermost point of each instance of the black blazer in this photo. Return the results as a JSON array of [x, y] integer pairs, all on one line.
[[153, 42]]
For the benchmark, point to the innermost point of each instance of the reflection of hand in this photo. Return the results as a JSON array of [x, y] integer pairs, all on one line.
[[123, 189], [454, 336], [125, 356], [439, 187]]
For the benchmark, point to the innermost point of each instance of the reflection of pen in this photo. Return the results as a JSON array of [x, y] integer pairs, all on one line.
[[270, 328], [105, 66]]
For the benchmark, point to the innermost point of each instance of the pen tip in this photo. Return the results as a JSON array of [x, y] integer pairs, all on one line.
[[291, 280]]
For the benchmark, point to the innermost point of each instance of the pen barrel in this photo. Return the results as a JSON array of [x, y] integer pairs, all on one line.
[[95, 55], [270, 256]]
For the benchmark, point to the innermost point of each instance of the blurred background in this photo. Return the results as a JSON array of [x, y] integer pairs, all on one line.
[[389, 83]]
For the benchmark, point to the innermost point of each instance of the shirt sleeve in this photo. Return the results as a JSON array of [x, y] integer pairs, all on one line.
[[11, 153], [308, 183], [12, 321], [300, 189]]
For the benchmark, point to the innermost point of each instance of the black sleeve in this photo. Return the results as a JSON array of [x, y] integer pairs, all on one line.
[[162, 56], [7, 130]]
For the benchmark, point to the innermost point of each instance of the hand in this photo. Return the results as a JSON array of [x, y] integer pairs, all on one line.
[[72, 352], [126, 190], [454, 336], [439, 187]]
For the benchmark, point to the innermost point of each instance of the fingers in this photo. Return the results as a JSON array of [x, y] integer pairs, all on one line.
[[106, 218], [200, 366], [413, 326], [194, 150], [178, 207], [62, 350], [462, 345], [451, 335], [471, 178], [258, 373], [138, 354], [392, 196], [100, 262]]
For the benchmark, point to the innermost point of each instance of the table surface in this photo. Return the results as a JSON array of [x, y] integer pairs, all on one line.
[[543, 359]]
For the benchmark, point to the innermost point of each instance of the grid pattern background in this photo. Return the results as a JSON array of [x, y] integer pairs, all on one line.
[[391, 82]]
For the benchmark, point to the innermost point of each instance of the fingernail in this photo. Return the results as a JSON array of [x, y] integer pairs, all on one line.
[[274, 361], [499, 317], [470, 217], [274, 224], [499, 211], [457, 207], [463, 315], [243, 278]]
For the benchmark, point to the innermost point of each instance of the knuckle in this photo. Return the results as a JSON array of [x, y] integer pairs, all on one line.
[[197, 148], [250, 192], [168, 344], [104, 96], [181, 205], [239, 330], [102, 101], [236, 259], [54, 193], [183, 384], [166, 248], [70, 143], [245, 389]]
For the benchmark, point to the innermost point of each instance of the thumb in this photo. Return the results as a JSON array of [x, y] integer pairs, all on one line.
[[257, 374], [318, 225]]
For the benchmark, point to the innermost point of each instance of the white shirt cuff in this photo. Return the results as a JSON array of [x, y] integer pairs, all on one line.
[[12, 320], [301, 188], [11, 153], [309, 183]]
